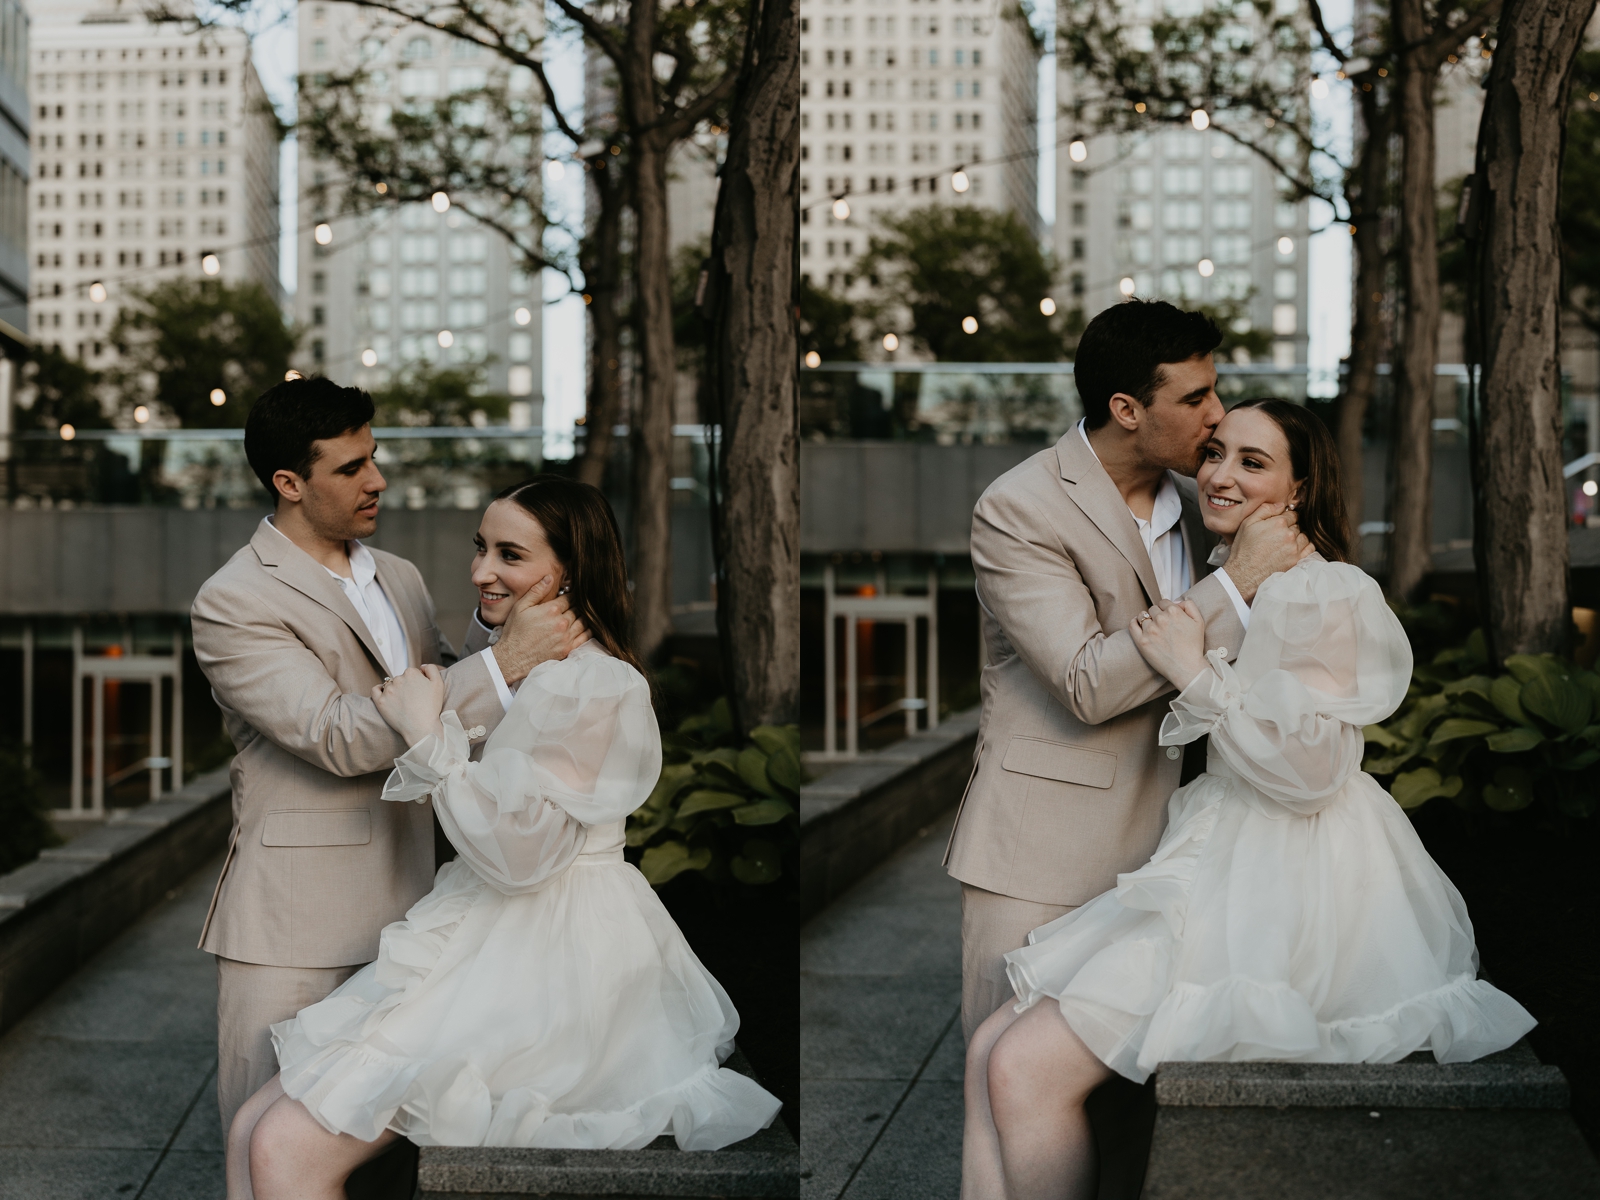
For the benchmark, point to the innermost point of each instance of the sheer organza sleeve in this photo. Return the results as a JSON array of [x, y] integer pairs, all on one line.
[[1324, 656], [579, 747]]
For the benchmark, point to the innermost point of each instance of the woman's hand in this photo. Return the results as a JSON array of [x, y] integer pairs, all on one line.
[[1171, 635], [412, 702]]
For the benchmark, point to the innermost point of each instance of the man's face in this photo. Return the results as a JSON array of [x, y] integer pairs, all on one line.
[[1181, 416], [340, 499]]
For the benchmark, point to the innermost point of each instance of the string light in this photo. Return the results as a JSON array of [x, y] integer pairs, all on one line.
[[441, 202], [1286, 245], [1319, 89], [522, 316], [446, 338], [97, 292], [891, 343], [1047, 306], [1126, 285], [323, 233], [1205, 266], [211, 264], [290, 374], [959, 181], [813, 359], [141, 414], [68, 432], [554, 169], [369, 357], [969, 324], [218, 397], [1200, 119], [1077, 150], [841, 209]]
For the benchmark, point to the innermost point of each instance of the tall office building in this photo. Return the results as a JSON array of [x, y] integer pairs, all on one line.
[[1184, 215], [14, 155], [405, 284], [896, 96], [153, 149]]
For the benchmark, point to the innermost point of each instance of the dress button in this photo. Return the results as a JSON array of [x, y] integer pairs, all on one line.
[[1174, 752]]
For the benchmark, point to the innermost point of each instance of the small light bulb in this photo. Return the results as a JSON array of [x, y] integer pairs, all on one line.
[[522, 316], [323, 233], [1077, 150], [97, 292], [441, 202], [969, 324], [813, 359], [554, 169], [446, 338], [841, 210], [1126, 285], [141, 414], [1047, 306], [68, 432], [1138, 106], [959, 182], [890, 342], [381, 188], [1200, 119], [1205, 266], [291, 373], [211, 264], [369, 357], [1590, 487], [218, 397], [1286, 245], [1319, 89]]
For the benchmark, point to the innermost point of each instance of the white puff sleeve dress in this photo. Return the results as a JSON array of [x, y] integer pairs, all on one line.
[[1290, 911], [540, 995]]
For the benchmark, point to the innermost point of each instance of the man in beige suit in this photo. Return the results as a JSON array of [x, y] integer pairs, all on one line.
[[293, 634], [1069, 787]]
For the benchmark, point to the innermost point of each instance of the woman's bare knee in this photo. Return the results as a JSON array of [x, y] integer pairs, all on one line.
[[1038, 1061], [983, 1040]]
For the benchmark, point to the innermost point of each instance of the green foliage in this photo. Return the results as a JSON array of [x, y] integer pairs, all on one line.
[[184, 337], [64, 392], [944, 263], [827, 325], [1505, 742], [24, 828], [1580, 193], [425, 395], [727, 810], [1239, 337]]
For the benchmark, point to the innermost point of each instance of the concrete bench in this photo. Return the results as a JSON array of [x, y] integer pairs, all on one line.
[[764, 1167], [1413, 1130]]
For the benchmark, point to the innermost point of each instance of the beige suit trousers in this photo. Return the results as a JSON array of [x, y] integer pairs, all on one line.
[[250, 999], [991, 927]]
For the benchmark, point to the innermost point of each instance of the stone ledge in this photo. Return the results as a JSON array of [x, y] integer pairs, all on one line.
[[763, 1167], [859, 814], [1409, 1084], [60, 909]]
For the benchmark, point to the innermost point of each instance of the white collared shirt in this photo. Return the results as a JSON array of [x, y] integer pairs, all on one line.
[[372, 605], [1163, 542]]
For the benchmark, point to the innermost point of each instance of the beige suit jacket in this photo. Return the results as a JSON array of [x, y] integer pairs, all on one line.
[[1069, 787], [317, 863]]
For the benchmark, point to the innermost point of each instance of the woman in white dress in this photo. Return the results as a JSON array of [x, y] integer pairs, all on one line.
[[540, 995], [1289, 912]]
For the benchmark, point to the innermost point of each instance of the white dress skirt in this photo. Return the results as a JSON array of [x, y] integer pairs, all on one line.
[[540, 995], [1290, 911]]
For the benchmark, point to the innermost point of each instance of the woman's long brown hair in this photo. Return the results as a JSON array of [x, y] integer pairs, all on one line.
[[1314, 461], [582, 532]]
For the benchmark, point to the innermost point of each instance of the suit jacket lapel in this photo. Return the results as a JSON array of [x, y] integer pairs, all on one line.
[[1091, 490], [405, 606], [285, 561], [1198, 541]]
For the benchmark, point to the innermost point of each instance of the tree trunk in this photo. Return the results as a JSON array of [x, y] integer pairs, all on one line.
[[753, 362], [1411, 455], [602, 277], [650, 430], [1520, 143], [1371, 175]]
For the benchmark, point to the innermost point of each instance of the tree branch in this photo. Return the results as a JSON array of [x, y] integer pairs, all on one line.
[[1328, 44]]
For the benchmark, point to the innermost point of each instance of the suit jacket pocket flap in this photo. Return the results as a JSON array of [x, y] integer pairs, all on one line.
[[1057, 760], [317, 827]]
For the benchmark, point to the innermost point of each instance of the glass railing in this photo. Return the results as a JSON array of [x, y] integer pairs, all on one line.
[[426, 468], [955, 403]]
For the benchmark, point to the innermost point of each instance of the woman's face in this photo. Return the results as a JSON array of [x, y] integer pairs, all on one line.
[[1245, 465], [512, 556]]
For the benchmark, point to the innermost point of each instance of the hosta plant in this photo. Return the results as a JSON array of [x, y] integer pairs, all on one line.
[[726, 809], [1529, 735]]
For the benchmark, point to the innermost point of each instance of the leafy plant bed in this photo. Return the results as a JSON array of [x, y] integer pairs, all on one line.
[[1532, 891], [749, 938]]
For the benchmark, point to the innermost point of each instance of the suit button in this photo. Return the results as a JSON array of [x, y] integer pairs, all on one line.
[[1174, 752]]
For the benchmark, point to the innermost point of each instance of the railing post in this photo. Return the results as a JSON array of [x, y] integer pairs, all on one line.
[[177, 710], [911, 672], [852, 730], [27, 693], [933, 649], [830, 670], [97, 747], [77, 721]]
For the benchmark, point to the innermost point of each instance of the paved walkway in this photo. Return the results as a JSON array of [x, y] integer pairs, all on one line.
[[880, 1042], [108, 1088]]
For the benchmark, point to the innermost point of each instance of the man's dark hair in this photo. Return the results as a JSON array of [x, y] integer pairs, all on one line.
[[288, 418], [1123, 348]]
